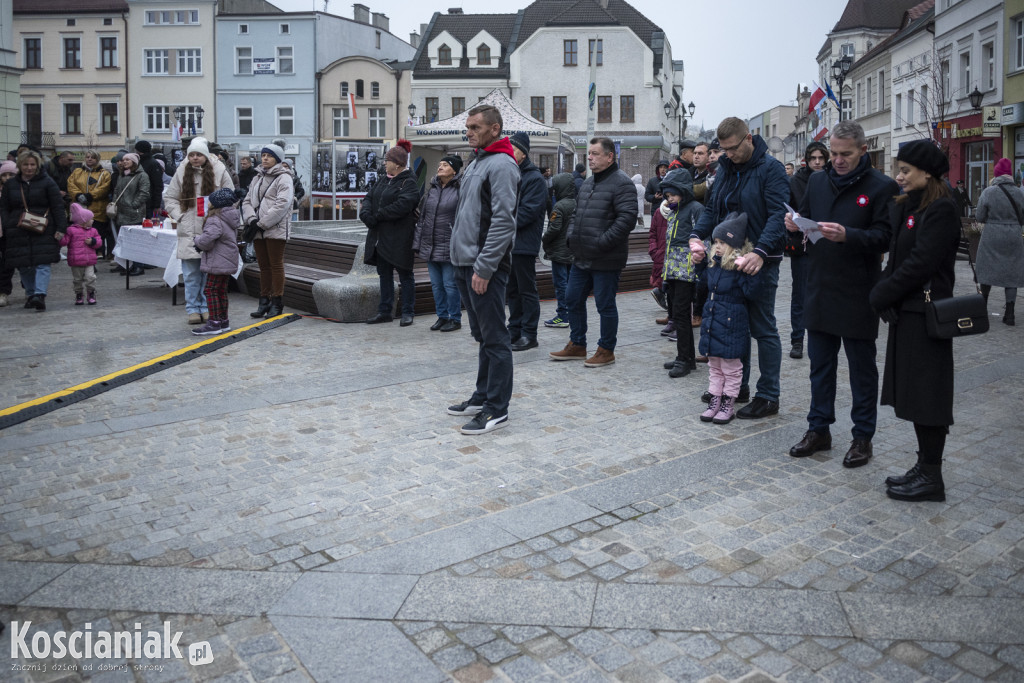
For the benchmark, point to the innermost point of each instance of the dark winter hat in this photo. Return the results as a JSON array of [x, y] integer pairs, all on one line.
[[663, 162], [816, 145], [732, 230], [454, 161], [522, 141], [677, 181], [240, 194], [274, 151], [714, 144], [399, 154], [926, 156], [143, 147], [223, 197], [686, 144]]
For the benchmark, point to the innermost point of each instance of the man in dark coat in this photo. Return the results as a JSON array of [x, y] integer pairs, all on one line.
[[523, 300], [246, 172], [851, 202], [653, 192], [963, 200], [752, 182], [156, 175], [814, 159], [579, 174], [598, 237]]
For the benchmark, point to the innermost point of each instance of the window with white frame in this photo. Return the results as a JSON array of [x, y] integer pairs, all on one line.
[[374, 90], [172, 17], [881, 90], [190, 119], [846, 50], [158, 119], [377, 123], [285, 29], [343, 89], [910, 106], [965, 73], [340, 122], [988, 60], [72, 118], [945, 80], [923, 108], [108, 118], [243, 119], [285, 121], [108, 52], [1018, 43], [243, 60], [860, 100], [72, 53], [33, 54], [285, 60], [190, 61], [155, 62], [870, 97], [897, 108]]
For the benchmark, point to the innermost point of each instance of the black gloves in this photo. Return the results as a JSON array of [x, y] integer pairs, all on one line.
[[88, 198]]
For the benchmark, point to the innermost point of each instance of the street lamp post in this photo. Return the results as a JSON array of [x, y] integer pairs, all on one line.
[[186, 118], [976, 97], [682, 116], [840, 68]]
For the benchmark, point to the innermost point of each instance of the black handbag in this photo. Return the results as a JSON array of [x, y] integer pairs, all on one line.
[[957, 316]]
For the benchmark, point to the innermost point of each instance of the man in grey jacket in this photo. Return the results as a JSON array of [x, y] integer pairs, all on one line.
[[481, 253]]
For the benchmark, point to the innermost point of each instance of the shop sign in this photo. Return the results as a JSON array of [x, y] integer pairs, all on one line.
[[873, 142], [991, 123], [968, 132], [1013, 113]]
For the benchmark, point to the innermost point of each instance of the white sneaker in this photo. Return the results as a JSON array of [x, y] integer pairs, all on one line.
[[3, 299]]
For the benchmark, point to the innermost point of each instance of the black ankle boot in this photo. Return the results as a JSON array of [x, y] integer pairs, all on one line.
[[985, 289], [903, 479], [40, 302], [927, 484], [276, 306], [1008, 316], [262, 309]]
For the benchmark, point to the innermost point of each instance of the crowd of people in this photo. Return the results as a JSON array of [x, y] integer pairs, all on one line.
[[723, 217]]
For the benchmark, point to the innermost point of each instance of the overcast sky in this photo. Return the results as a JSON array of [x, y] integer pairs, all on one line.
[[742, 57]]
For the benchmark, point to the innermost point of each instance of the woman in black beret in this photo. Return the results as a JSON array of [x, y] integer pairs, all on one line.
[[918, 377]]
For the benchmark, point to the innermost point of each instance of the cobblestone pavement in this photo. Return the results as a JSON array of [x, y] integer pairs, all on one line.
[[300, 501]]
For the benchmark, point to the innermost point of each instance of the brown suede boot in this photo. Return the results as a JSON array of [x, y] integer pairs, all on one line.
[[571, 351], [600, 358]]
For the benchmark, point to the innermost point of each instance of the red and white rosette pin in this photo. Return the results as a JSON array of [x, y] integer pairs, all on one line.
[[862, 200]]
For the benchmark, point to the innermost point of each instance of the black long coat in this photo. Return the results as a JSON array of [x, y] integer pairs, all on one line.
[[24, 248], [389, 214], [918, 377], [840, 275]]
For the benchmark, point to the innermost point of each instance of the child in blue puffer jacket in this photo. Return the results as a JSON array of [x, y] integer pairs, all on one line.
[[725, 328]]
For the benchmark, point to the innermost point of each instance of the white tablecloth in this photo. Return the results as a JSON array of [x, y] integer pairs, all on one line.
[[155, 246]]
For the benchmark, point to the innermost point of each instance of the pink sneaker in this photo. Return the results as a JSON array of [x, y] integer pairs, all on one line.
[[91, 300], [709, 414], [725, 412]]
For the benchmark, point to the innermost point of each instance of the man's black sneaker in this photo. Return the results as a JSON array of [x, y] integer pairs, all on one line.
[[758, 408], [465, 408], [484, 422]]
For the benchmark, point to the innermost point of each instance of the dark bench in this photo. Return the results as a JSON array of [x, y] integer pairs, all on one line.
[[308, 259]]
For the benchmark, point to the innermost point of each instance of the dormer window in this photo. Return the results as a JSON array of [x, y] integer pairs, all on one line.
[[483, 55], [444, 55]]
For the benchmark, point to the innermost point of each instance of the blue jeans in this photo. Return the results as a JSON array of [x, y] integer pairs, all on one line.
[[35, 279], [604, 284], [761, 311], [486, 313], [386, 272], [195, 281], [447, 301], [823, 353], [560, 280], [798, 266]]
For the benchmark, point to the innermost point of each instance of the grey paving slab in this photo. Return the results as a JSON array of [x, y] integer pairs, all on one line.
[[500, 601], [429, 552], [193, 412], [696, 608], [20, 579], [354, 650], [354, 596], [163, 589], [541, 516], [69, 433], [948, 618], [674, 474]]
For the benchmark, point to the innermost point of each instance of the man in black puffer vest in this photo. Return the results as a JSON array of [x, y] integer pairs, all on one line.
[[523, 300], [598, 237]]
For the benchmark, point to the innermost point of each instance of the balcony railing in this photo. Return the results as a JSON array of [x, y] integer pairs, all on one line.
[[41, 140]]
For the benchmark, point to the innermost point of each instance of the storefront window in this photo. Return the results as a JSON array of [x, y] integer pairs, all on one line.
[[980, 156]]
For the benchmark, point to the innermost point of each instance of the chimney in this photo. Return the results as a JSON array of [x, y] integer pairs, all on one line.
[[361, 13], [454, 10], [381, 21], [423, 29], [603, 4], [414, 39]]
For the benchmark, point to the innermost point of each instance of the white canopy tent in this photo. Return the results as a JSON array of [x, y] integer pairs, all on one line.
[[449, 135]]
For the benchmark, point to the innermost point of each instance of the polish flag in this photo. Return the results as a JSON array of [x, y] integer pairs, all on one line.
[[352, 106], [817, 96], [820, 133]]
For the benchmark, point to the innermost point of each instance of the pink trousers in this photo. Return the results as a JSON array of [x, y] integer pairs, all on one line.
[[726, 374]]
